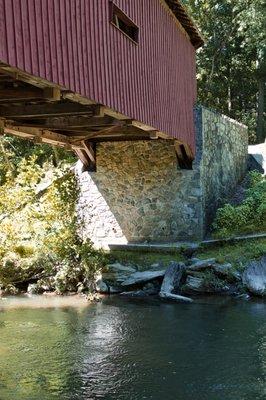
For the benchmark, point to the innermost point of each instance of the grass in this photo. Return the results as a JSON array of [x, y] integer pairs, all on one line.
[[238, 254], [144, 259]]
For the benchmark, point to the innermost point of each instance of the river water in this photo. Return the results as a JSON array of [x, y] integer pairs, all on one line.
[[214, 349]]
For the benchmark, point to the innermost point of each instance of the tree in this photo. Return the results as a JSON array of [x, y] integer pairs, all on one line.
[[231, 65]]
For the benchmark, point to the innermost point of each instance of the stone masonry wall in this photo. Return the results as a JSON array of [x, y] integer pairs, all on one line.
[[221, 157], [138, 193]]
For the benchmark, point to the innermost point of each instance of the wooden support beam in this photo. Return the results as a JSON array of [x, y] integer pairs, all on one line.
[[15, 94], [41, 135], [83, 157], [87, 156], [69, 123], [52, 93], [140, 125], [77, 98], [19, 94], [144, 127], [105, 131], [154, 135], [184, 155], [47, 110], [88, 148]]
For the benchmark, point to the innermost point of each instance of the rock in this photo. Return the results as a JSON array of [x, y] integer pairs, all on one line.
[[193, 284], [254, 277], [117, 267], [172, 277], [10, 290], [175, 297], [226, 271], [81, 288], [102, 287], [46, 284], [243, 296], [194, 260], [34, 288], [115, 290], [201, 265], [117, 273], [135, 293], [197, 285], [152, 288], [142, 277]]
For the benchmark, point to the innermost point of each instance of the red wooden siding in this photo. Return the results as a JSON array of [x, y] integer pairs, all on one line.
[[72, 43]]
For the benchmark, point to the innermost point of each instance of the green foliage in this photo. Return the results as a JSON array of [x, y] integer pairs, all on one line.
[[212, 282], [231, 65], [144, 259], [236, 253], [248, 217], [38, 228]]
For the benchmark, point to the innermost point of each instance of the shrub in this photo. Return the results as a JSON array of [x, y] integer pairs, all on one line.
[[248, 217], [38, 229]]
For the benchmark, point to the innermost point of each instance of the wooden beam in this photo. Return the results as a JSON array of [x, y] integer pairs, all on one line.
[[47, 110], [52, 93], [89, 151], [144, 127], [72, 122], [140, 125], [189, 151], [25, 77], [83, 157], [87, 156], [154, 135], [42, 135], [18, 94], [105, 131], [114, 114], [29, 93]]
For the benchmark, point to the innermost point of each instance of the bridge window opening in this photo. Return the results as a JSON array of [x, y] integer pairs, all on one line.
[[122, 22]]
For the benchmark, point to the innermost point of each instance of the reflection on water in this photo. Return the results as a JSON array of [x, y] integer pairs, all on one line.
[[132, 350]]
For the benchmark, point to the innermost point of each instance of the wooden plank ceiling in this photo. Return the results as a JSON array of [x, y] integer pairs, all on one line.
[[33, 109]]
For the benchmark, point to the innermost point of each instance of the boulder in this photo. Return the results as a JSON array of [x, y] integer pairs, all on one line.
[[135, 293], [199, 285], [193, 284], [115, 289], [117, 267], [254, 277], [201, 265], [117, 273], [175, 297], [102, 287], [33, 288], [142, 277], [152, 288], [172, 278], [226, 271]]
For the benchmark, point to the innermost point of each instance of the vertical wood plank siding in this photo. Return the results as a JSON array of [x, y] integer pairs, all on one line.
[[72, 43]]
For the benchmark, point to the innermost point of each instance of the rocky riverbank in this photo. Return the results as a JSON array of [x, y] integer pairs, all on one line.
[[183, 281], [183, 275]]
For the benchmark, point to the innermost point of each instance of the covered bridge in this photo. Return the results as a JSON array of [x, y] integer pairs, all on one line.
[[115, 81], [76, 72]]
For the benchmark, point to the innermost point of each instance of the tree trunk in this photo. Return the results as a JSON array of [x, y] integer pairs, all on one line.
[[260, 113]]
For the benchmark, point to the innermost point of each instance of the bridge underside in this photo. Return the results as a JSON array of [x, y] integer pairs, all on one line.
[[35, 109]]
